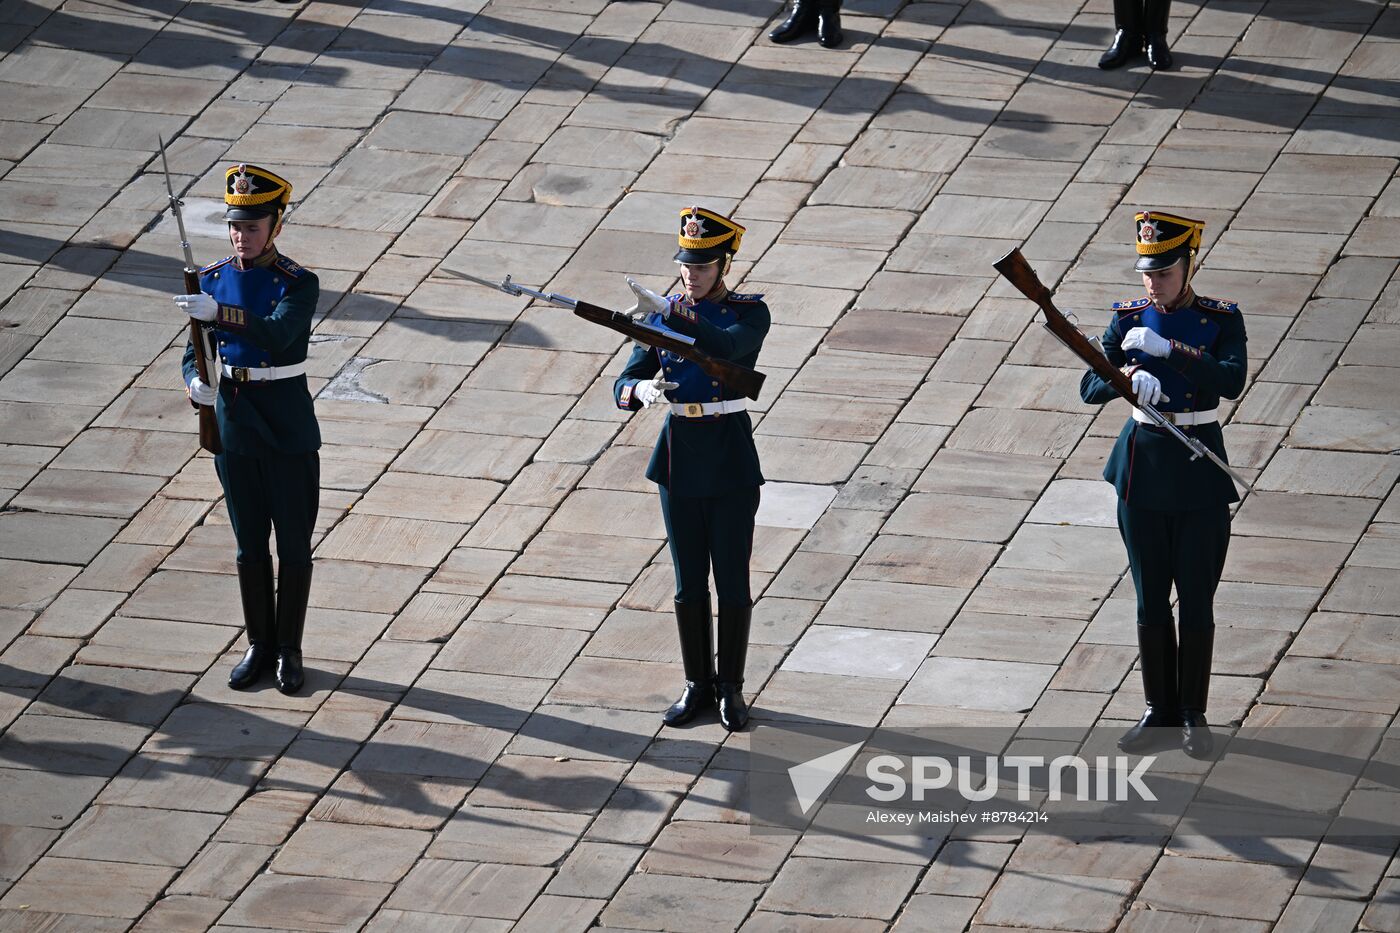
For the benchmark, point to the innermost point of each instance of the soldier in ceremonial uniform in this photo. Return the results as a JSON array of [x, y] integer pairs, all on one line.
[[705, 462], [1184, 353], [260, 304]]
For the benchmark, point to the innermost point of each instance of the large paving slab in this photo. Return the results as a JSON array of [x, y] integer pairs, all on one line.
[[491, 639]]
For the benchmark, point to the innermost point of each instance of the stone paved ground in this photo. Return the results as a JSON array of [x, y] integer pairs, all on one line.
[[490, 649]]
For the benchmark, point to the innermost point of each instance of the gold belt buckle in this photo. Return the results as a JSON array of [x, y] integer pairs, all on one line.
[[694, 410], [240, 374]]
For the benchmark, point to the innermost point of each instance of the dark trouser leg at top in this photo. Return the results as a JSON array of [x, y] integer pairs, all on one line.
[[731, 546], [696, 633], [1155, 16], [799, 22], [1128, 35], [690, 558], [1197, 569], [829, 23], [293, 589], [255, 588], [282, 491], [1149, 537]]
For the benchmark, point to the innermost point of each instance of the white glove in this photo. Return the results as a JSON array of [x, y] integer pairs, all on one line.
[[653, 389], [200, 393], [1148, 341], [1148, 387], [648, 302], [201, 307]]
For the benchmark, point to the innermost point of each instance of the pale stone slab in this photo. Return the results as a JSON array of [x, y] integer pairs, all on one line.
[[386, 539], [88, 887], [994, 637], [1212, 887], [972, 684], [700, 905], [306, 903], [912, 607], [138, 835], [974, 518], [826, 649], [515, 837], [1074, 903]]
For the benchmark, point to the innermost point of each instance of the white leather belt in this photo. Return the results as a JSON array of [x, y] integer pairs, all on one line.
[[1179, 418], [701, 409], [263, 373]]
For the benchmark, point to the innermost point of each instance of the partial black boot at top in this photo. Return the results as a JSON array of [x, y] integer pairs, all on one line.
[[829, 23], [1155, 18], [1193, 662], [1128, 34], [255, 588], [1157, 727], [696, 634], [800, 21], [293, 590], [729, 672]]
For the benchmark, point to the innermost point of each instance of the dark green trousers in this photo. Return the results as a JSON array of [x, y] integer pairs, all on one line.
[[1182, 548], [711, 531], [281, 491]]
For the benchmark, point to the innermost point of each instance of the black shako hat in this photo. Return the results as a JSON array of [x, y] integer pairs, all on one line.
[[1163, 240], [251, 192], [706, 237]]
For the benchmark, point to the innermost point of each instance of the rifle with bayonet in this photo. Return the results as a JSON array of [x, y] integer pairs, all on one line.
[[745, 380], [199, 333], [1018, 272]]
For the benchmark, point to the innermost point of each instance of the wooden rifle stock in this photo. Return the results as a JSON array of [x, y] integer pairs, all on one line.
[[208, 423], [1018, 272], [745, 380]]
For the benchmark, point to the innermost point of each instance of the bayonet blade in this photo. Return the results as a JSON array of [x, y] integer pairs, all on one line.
[[175, 205]]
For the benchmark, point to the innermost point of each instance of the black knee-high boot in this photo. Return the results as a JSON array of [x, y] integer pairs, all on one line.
[[829, 23], [293, 590], [799, 22], [1157, 646], [1155, 16], [694, 626], [255, 588], [734, 622], [1128, 37], [1193, 662]]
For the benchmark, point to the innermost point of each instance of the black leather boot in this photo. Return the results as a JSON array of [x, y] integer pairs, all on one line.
[[1193, 659], [1159, 56], [697, 657], [1157, 646], [799, 22], [293, 589], [829, 23], [255, 587], [1127, 40], [729, 673]]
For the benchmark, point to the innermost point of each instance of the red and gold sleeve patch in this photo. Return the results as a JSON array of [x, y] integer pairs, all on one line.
[[686, 312], [1186, 350], [624, 398], [232, 316]]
